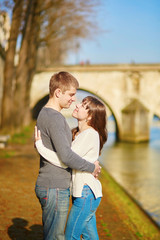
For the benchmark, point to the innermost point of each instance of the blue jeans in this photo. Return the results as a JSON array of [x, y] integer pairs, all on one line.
[[55, 204], [82, 218]]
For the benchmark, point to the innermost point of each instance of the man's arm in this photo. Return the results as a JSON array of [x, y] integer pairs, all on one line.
[[86, 143], [55, 126], [49, 155], [58, 133]]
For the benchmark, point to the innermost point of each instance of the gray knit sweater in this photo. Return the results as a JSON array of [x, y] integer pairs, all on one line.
[[56, 135]]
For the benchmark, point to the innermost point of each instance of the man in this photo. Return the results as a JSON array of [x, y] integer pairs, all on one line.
[[52, 186]]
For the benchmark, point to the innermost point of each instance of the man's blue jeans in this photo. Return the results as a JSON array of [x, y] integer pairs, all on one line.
[[55, 204], [82, 219]]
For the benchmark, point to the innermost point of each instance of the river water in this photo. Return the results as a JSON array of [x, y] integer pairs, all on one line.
[[136, 167]]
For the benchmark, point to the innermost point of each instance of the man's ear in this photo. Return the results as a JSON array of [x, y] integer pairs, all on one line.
[[58, 92]]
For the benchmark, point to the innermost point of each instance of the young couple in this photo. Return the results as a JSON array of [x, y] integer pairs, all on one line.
[[59, 154]]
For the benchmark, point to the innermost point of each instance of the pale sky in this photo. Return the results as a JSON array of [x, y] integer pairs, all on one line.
[[133, 34]]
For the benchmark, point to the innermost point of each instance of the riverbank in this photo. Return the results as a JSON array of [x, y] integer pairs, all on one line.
[[121, 217], [118, 217]]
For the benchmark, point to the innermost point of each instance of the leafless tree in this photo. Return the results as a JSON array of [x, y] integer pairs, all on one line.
[[54, 25]]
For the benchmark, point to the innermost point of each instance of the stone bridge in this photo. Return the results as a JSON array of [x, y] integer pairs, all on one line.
[[131, 92]]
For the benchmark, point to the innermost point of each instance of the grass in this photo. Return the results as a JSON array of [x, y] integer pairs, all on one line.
[[18, 138], [23, 136], [104, 226], [137, 220]]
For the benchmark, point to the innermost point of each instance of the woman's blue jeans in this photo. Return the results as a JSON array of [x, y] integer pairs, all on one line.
[[82, 218], [55, 204]]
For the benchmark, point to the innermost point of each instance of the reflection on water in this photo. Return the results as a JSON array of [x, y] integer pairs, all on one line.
[[136, 167]]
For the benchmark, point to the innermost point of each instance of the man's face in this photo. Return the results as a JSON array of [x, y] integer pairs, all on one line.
[[67, 98]]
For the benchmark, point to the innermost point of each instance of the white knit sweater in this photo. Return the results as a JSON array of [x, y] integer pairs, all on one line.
[[86, 145]]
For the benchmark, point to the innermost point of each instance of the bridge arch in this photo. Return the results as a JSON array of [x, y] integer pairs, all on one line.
[[40, 103]]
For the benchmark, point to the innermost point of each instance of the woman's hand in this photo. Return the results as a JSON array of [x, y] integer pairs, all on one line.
[[37, 135], [97, 169]]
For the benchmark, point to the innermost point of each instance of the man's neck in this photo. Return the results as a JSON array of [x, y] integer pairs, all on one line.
[[53, 104]]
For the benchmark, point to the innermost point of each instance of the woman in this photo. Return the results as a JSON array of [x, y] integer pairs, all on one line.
[[88, 140]]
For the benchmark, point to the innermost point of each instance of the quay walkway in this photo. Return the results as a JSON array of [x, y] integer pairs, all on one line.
[[118, 216]]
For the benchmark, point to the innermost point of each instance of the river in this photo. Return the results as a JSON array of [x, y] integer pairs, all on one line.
[[136, 167]]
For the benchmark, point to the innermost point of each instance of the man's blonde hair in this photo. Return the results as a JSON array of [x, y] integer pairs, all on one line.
[[62, 80]]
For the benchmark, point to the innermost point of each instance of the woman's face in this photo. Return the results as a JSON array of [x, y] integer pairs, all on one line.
[[80, 112]]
